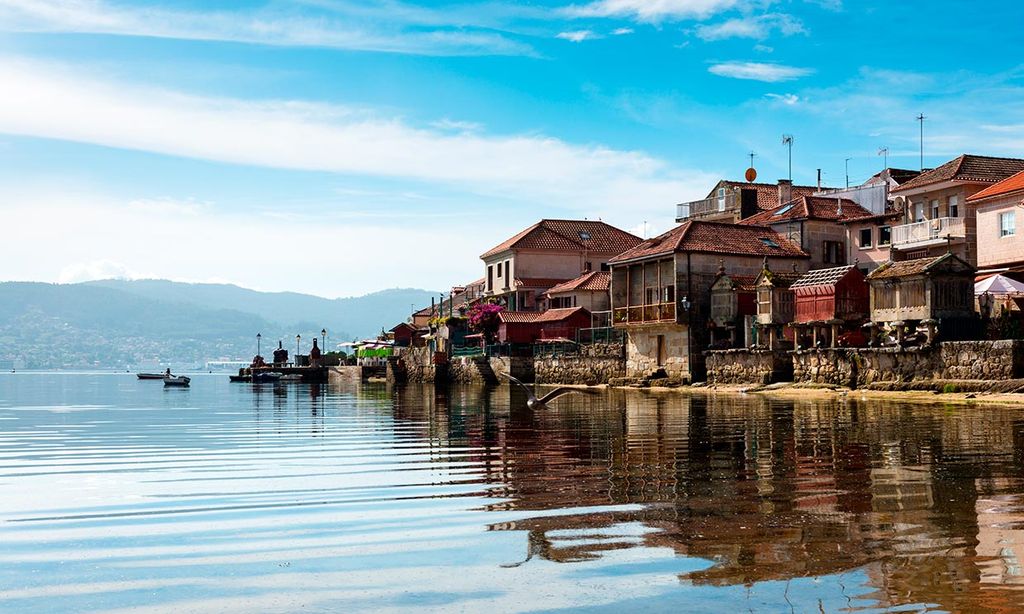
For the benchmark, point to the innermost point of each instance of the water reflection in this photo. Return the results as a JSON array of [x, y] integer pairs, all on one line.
[[283, 497]]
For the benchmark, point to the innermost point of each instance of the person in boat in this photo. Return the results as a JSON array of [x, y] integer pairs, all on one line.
[[314, 355], [167, 373]]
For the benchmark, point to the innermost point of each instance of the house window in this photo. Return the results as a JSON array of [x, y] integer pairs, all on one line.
[[833, 252], [1008, 224], [651, 296], [490, 277], [935, 209], [865, 237], [919, 211], [587, 267], [668, 294], [954, 206], [508, 281], [721, 199], [499, 271], [884, 235], [605, 267]]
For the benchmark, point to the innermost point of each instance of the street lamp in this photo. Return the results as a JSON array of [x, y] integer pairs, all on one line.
[[323, 339], [298, 338], [258, 337], [685, 304]]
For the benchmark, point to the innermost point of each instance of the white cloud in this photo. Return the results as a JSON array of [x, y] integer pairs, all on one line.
[[576, 36], [41, 100], [757, 27], [760, 48], [786, 99], [622, 31], [653, 10], [759, 71], [261, 26], [95, 269]]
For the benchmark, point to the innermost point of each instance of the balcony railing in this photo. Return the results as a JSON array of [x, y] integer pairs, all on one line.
[[908, 235], [707, 207], [645, 314]]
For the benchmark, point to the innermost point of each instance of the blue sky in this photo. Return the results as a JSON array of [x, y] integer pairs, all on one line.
[[339, 147]]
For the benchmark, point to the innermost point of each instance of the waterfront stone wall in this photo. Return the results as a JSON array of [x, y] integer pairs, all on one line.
[[951, 360], [414, 365], [642, 350], [593, 365], [748, 366], [344, 374]]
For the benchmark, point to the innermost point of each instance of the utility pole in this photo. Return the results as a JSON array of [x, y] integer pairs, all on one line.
[[848, 172], [787, 139], [920, 119], [884, 151]]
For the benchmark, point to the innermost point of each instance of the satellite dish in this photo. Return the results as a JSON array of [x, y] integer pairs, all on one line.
[[751, 174]]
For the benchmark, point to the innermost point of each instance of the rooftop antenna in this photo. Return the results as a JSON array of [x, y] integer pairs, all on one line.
[[848, 172], [884, 151], [920, 118], [819, 179], [787, 139]]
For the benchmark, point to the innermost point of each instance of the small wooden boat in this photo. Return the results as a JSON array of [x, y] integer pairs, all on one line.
[[150, 375], [240, 378], [180, 381], [265, 378]]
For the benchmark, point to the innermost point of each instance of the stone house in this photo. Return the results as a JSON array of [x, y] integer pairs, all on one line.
[[732, 201], [937, 216], [929, 291], [660, 290], [815, 224], [1000, 246], [521, 269]]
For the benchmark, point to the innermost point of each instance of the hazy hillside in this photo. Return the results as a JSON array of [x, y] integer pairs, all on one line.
[[344, 318], [115, 323]]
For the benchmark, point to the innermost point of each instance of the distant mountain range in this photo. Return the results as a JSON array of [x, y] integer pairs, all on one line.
[[123, 323]]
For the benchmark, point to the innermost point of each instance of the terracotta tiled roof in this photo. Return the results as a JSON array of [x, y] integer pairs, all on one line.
[[969, 168], [551, 315], [810, 208], [538, 282], [1013, 183], [569, 236], [742, 282], [781, 279], [822, 277], [596, 281], [917, 266], [715, 238], [767, 193]]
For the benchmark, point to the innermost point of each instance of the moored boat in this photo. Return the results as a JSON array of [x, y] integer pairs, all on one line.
[[180, 381], [263, 378], [150, 375]]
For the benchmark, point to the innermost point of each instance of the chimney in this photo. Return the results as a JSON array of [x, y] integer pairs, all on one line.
[[785, 191], [819, 179]]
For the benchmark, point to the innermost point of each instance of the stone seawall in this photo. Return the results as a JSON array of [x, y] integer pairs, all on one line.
[[593, 365], [951, 360], [748, 366]]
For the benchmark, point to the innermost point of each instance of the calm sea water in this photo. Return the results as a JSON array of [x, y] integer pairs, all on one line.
[[117, 494]]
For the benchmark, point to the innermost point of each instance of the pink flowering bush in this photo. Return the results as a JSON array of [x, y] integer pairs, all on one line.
[[483, 318]]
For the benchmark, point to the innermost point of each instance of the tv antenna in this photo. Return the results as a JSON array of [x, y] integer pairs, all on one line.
[[920, 118], [787, 139], [848, 171], [884, 151]]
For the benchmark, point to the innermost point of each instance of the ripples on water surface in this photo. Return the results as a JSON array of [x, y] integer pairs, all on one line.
[[117, 494]]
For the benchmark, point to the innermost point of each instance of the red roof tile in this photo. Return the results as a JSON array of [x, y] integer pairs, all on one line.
[[715, 238], [597, 281], [968, 168], [570, 236], [1013, 183], [810, 208], [538, 282], [526, 317]]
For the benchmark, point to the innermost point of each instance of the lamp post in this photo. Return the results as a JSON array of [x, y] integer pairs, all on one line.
[[323, 339], [298, 338], [258, 337]]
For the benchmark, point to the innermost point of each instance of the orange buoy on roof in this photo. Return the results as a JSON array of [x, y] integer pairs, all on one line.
[[750, 175]]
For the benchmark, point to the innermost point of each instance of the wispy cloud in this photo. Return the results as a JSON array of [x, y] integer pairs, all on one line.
[[576, 36], [266, 26], [652, 11], [757, 27], [786, 99], [622, 31], [759, 71], [42, 100]]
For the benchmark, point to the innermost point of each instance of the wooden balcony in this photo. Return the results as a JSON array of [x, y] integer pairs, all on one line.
[[927, 232], [658, 313]]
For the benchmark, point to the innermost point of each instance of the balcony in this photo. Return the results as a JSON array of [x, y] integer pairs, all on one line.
[[708, 207], [659, 313], [927, 232]]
